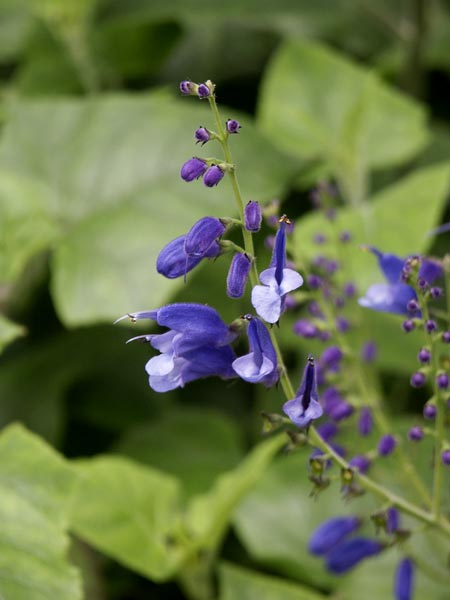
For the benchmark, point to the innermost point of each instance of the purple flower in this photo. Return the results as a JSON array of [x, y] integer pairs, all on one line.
[[429, 411], [238, 274], [430, 326], [445, 457], [424, 356], [268, 299], [348, 553], [386, 445], [187, 87], [196, 345], [202, 235], [233, 126], [173, 262], [446, 337], [212, 176], [335, 406], [305, 406], [193, 169], [418, 379], [202, 135], [331, 358], [408, 325], [365, 422], [404, 580], [330, 533], [252, 216], [260, 365]]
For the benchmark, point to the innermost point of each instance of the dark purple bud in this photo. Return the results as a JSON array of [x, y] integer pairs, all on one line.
[[202, 135], [442, 381], [348, 553], [430, 325], [429, 411], [436, 292], [349, 289], [340, 411], [445, 457], [422, 284], [331, 266], [305, 328], [233, 126], [386, 445], [345, 236], [319, 238], [252, 216], [365, 421], [418, 379], [446, 337], [327, 431], [212, 176], [330, 533], [392, 520], [187, 87], [408, 325], [404, 580], [424, 356], [172, 261], [342, 324], [238, 275], [331, 356], [360, 463], [369, 352], [202, 235], [412, 306], [415, 434], [193, 169], [314, 282], [339, 302], [203, 91]]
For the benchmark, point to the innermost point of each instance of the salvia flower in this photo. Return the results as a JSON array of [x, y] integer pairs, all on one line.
[[238, 274], [268, 299], [404, 580], [386, 445], [260, 365], [305, 406], [193, 169], [348, 553], [196, 345], [173, 262], [330, 533], [202, 236], [252, 216], [213, 175], [233, 126]]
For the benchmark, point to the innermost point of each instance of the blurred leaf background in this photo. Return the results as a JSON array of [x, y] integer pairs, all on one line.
[[93, 134]]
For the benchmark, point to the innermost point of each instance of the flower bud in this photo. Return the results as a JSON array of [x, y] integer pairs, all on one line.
[[203, 91], [238, 275], [193, 169], [404, 580], [418, 379], [188, 88], [365, 422], [429, 411], [445, 457], [442, 381], [415, 434], [252, 216], [202, 235], [345, 555], [305, 328], [233, 126], [386, 445], [330, 533], [202, 135], [212, 176]]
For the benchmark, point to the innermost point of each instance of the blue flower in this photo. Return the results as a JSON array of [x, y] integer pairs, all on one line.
[[393, 296], [268, 299], [260, 365], [350, 552], [305, 406], [196, 345], [404, 580], [330, 533]]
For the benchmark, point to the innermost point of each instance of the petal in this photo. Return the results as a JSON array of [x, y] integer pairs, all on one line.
[[294, 410], [164, 341], [267, 303], [291, 281], [207, 361], [160, 365], [267, 277], [248, 370], [430, 270], [388, 298], [390, 264], [172, 261]]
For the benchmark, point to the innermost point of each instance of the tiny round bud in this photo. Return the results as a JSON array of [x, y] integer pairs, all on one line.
[[319, 238], [360, 463], [187, 87], [430, 325], [345, 236], [445, 456], [408, 325], [314, 282], [193, 169], [446, 337], [202, 135], [424, 356], [349, 289], [436, 292], [386, 445], [342, 324], [305, 328], [233, 126], [442, 381], [422, 284], [429, 411], [203, 91], [415, 434], [418, 379], [412, 306]]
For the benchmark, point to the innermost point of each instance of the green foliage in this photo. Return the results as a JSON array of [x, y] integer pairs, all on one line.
[[9, 331]]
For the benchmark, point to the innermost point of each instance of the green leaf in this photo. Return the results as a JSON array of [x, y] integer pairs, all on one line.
[[128, 512], [35, 488], [235, 582], [9, 331], [112, 164], [317, 105], [192, 444]]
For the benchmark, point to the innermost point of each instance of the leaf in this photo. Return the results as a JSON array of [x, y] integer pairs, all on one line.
[[9, 331], [112, 164], [235, 582], [128, 512], [35, 488], [318, 105], [192, 444]]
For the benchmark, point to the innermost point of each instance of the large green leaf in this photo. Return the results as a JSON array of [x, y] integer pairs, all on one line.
[[35, 488], [244, 584], [129, 512], [111, 167], [318, 105], [192, 444]]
